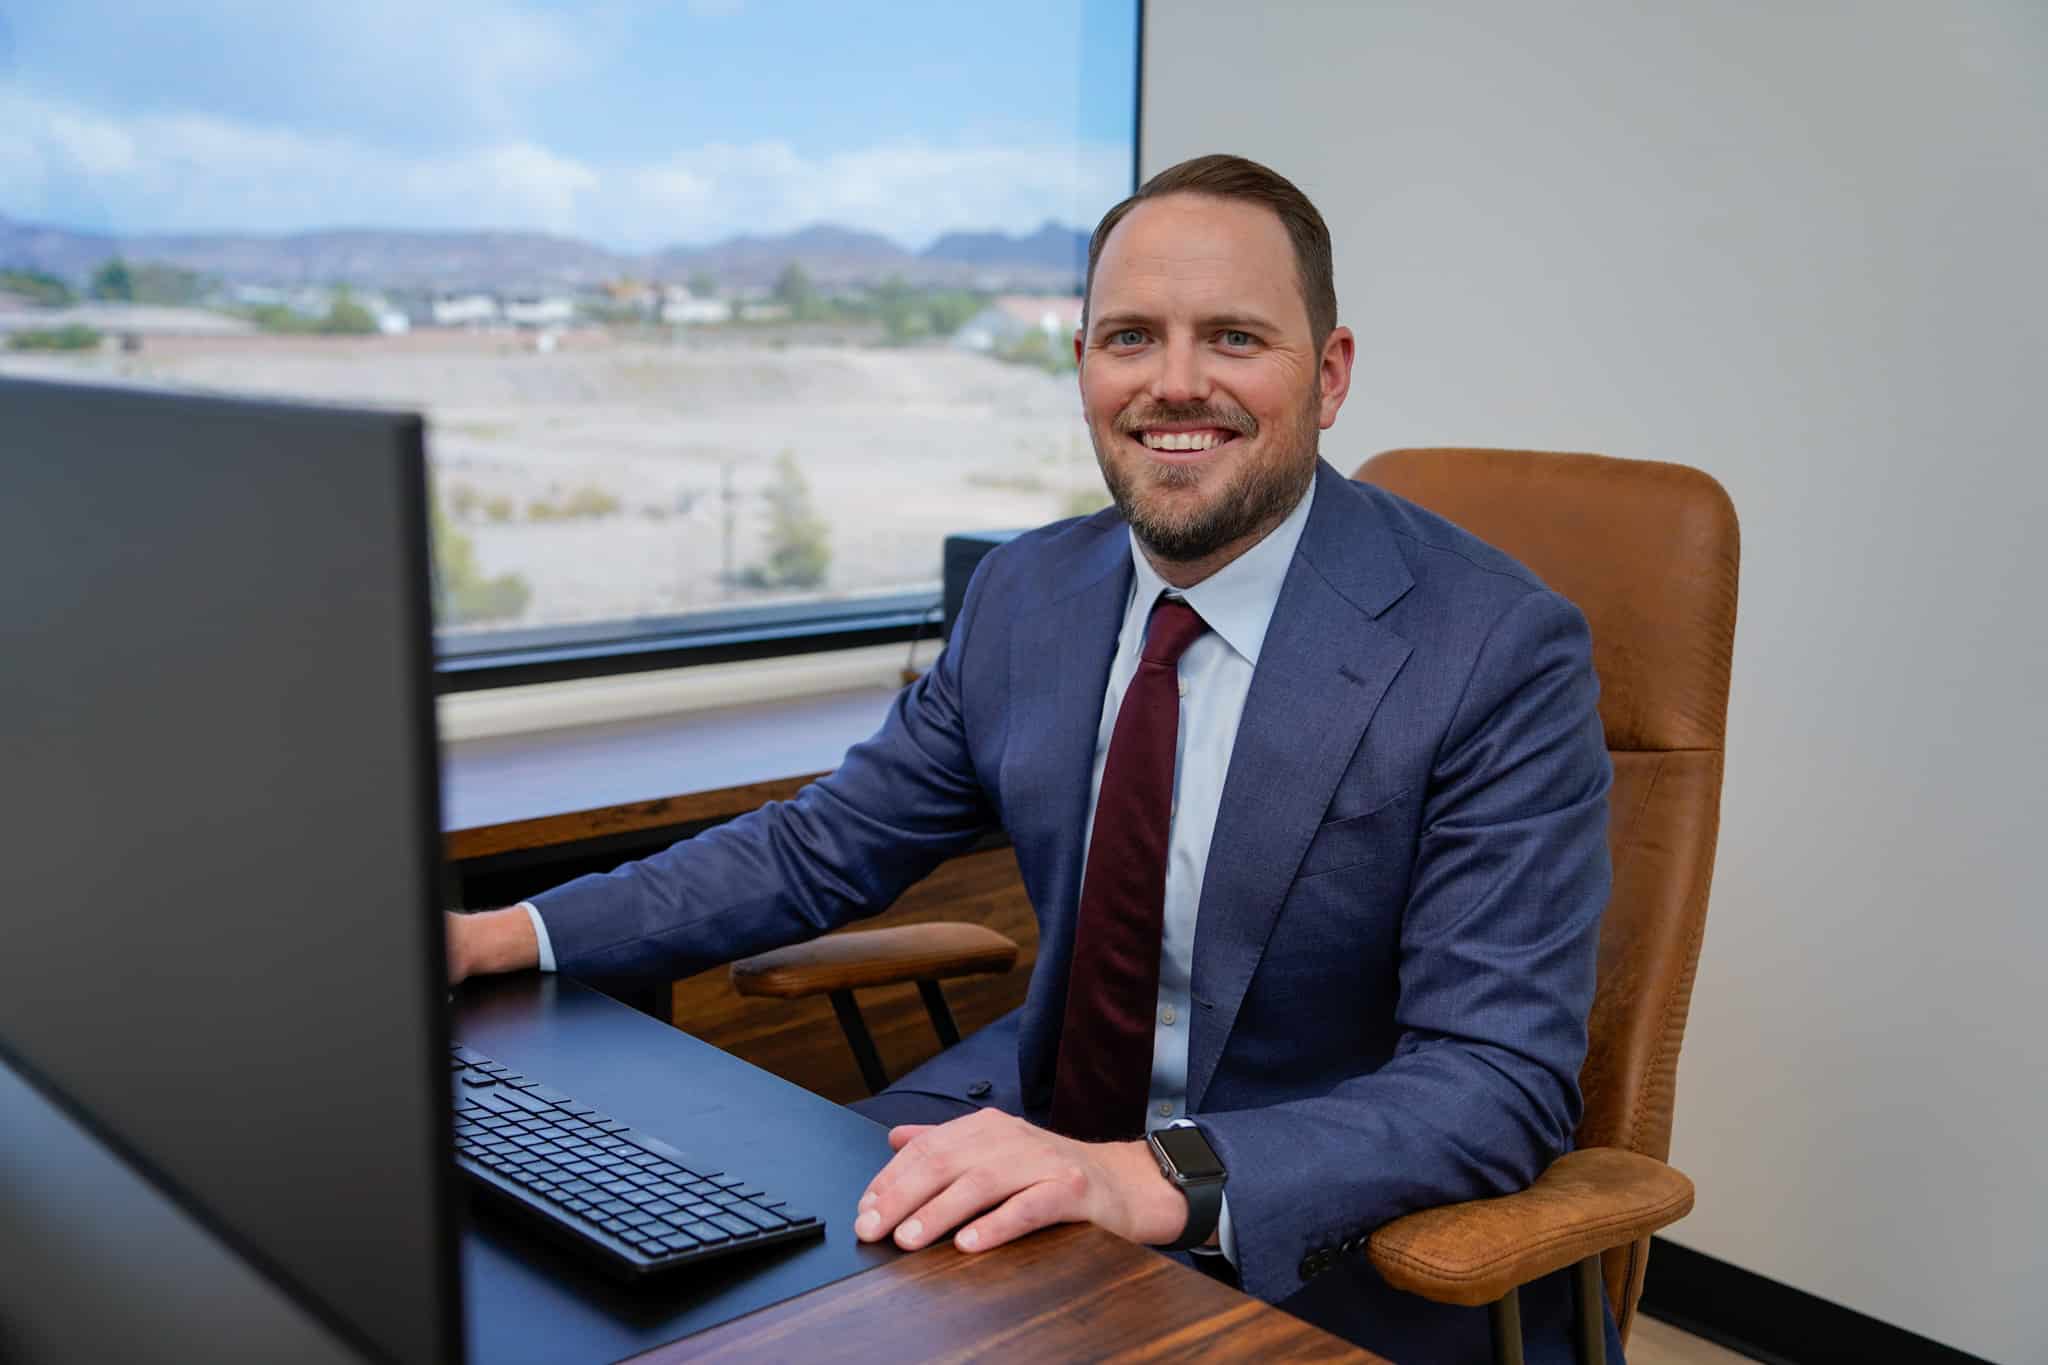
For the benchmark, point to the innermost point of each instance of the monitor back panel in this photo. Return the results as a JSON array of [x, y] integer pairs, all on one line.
[[221, 827]]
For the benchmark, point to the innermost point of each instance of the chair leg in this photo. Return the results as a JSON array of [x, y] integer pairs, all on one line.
[[860, 1040], [942, 1018], [1506, 1315], [1587, 1298]]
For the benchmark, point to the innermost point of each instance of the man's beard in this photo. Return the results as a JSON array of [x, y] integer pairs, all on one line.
[[1258, 498]]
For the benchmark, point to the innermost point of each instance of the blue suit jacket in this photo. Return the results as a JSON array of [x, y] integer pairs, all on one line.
[[1394, 953]]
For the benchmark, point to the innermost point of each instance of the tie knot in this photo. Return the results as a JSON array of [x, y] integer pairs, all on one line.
[[1174, 626]]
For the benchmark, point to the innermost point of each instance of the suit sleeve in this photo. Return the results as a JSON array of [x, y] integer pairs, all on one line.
[[1497, 955], [845, 847]]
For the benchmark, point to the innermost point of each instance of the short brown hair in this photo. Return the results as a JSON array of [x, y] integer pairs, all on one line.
[[1235, 177]]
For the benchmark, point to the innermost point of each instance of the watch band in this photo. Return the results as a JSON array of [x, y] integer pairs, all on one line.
[[1205, 1207], [1205, 1197]]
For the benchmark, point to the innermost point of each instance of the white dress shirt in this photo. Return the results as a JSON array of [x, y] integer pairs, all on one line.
[[1237, 602]]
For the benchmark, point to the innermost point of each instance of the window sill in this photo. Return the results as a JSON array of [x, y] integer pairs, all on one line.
[[558, 763]]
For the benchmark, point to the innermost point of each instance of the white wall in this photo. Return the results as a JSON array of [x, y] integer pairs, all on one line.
[[1802, 248]]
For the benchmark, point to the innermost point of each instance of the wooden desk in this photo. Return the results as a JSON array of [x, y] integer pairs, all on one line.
[[1064, 1294], [1068, 1293]]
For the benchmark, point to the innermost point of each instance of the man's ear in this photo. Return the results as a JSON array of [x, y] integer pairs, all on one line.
[[1340, 348], [1079, 347]]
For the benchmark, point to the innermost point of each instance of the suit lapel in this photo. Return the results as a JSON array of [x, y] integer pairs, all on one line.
[[1322, 671]]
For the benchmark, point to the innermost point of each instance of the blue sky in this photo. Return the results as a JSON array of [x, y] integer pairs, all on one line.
[[624, 121]]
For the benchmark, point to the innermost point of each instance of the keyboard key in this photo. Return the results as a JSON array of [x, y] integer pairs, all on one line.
[[469, 1056], [701, 1208], [708, 1233], [614, 1207], [639, 1198], [760, 1218], [660, 1206], [738, 1227], [680, 1241], [612, 1225]]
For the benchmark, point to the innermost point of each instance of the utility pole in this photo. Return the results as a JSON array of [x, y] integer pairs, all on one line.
[[730, 497]]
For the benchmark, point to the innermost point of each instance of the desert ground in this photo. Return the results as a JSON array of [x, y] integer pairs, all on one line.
[[899, 447]]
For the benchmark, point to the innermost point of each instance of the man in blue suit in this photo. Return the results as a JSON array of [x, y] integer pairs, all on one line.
[[1366, 923]]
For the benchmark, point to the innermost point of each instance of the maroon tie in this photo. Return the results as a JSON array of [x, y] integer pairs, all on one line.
[[1105, 1060]]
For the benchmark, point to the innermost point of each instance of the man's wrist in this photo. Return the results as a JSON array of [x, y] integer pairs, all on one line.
[[492, 941], [1159, 1211]]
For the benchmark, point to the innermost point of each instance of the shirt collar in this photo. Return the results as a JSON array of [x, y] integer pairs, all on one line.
[[1237, 600]]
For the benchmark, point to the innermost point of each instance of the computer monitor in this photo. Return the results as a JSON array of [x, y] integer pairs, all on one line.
[[221, 874]]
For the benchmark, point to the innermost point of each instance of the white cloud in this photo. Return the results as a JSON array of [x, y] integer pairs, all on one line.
[[183, 171]]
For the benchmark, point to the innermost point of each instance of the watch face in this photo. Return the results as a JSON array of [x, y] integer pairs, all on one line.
[[1189, 1152]]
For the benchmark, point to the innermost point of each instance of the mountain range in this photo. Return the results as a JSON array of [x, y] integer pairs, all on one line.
[[1051, 258]]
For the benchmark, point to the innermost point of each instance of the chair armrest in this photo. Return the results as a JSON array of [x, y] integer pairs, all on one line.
[[875, 957], [1586, 1203]]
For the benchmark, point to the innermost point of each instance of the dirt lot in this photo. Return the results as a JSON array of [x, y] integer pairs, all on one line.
[[899, 447]]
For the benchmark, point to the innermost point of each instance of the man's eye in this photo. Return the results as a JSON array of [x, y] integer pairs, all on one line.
[[1237, 340], [1129, 336]]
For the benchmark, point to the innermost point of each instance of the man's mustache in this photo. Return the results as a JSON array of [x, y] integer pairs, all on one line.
[[1186, 414]]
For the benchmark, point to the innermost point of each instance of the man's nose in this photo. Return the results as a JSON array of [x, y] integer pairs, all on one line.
[[1180, 378]]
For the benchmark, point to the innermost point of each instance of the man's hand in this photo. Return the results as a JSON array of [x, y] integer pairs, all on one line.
[[1018, 1179], [490, 941]]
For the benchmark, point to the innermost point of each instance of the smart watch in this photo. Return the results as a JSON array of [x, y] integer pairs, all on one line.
[[1186, 1158]]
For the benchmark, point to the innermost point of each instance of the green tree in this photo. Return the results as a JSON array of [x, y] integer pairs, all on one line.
[[902, 312], [703, 284], [794, 289], [799, 542], [346, 317], [114, 281], [166, 284], [37, 286], [463, 595], [72, 337]]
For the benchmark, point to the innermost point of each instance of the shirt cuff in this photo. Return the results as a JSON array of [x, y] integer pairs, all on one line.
[[547, 949]]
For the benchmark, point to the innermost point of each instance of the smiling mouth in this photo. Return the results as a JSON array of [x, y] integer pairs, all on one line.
[[1184, 441]]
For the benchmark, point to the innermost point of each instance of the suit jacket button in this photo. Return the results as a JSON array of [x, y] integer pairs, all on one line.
[[978, 1090], [1309, 1266]]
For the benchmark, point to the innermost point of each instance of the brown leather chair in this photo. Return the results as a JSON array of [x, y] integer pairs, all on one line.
[[1649, 552]]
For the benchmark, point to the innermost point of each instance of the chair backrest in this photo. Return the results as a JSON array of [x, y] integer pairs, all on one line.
[[1649, 552]]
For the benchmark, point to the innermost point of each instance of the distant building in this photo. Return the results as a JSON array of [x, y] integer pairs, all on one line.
[[544, 310], [465, 310], [1009, 318], [764, 312], [679, 305]]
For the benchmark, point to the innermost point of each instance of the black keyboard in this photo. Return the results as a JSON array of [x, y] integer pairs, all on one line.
[[634, 1203]]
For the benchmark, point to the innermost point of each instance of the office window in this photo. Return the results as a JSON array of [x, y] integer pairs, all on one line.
[[724, 312]]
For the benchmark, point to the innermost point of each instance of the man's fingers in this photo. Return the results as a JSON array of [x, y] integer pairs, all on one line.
[[900, 1136], [976, 1188], [1060, 1199], [926, 1162]]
